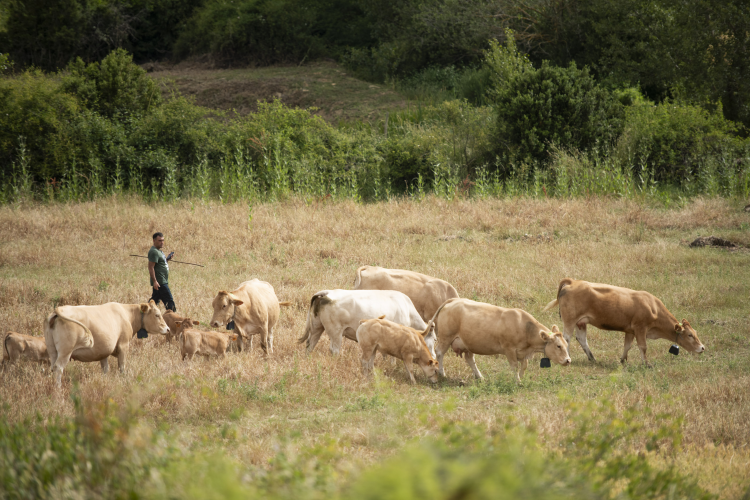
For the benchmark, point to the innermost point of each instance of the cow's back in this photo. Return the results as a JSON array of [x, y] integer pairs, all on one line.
[[262, 298], [607, 306], [108, 323], [367, 304]]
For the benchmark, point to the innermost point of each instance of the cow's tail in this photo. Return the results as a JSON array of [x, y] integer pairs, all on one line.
[[433, 321], [563, 284], [285, 304], [358, 278], [89, 335], [312, 312]]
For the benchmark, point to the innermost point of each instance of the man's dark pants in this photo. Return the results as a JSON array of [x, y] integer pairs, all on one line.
[[163, 294]]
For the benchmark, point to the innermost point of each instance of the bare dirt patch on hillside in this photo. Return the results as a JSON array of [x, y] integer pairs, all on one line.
[[325, 86]]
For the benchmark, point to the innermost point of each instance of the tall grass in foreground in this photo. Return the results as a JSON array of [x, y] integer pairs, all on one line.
[[106, 451]]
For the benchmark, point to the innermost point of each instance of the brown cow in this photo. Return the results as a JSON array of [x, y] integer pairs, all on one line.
[[254, 309], [486, 329], [17, 346], [171, 318], [426, 293], [194, 342], [93, 333], [402, 342], [638, 314]]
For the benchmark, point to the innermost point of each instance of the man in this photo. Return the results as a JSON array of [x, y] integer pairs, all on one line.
[[158, 269]]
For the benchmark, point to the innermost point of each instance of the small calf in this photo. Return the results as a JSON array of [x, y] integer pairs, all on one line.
[[402, 342], [198, 342], [171, 318], [16, 346]]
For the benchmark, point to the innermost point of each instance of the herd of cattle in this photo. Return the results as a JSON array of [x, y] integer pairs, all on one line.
[[407, 315]]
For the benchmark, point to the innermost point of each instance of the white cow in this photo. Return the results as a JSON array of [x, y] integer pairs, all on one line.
[[338, 312]]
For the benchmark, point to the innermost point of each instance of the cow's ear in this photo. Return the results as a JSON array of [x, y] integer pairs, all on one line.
[[145, 308], [678, 327], [555, 329], [196, 322], [178, 324], [685, 323], [545, 336], [433, 362], [382, 316], [237, 302]]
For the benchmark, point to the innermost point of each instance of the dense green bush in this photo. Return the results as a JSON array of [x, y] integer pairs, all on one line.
[[552, 105], [114, 86], [676, 142]]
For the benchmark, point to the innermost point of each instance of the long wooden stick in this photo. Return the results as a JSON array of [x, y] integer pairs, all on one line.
[[178, 261]]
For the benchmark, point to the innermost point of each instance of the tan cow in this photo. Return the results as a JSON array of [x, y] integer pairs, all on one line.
[[194, 342], [93, 333], [171, 318], [638, 314], [402, 342], [486, 329], [17, 346], [254, 309], [426, 293]]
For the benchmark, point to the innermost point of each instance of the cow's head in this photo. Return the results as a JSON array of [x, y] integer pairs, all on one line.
[[183, 325], [224, 304], [555, 348], [430, 370], [688, 338], [153, 321]]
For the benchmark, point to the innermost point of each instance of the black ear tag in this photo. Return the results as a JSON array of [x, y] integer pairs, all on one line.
[[230, 325], [142, 333], [675, 349], [545, 363]]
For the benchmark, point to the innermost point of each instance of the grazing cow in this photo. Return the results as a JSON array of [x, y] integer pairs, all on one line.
[[194, 342], [254, 309], [171, 318], [402, 342], [338, 312], [638, 314], [17, 346], [93, 333], [486, 329], [426, 293]]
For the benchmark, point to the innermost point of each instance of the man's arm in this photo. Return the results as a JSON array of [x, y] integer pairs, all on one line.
[[151, 272]]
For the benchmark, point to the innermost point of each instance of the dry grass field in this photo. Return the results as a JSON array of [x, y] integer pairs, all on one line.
[[510, 252]]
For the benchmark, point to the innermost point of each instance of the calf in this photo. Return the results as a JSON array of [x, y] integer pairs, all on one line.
[[402, 342], [17, 346], [638, 314], [171, 318], [194, 342], [486, 329]]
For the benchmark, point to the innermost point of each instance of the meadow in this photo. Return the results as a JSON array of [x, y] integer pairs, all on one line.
[[316, 420]]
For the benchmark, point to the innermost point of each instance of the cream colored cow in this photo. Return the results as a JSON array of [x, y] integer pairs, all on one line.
[[253, 307], [426, 293], [486, 329], [171, 318], [17, 346], [638, 314], [401, 342], [194, 342], [94, 333]]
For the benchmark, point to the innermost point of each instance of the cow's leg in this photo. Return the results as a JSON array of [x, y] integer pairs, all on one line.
[[581, 337], [105, 365], [62, 361], [628, 344], [442, 346], [568, 329], [337, 338], [522, 365], [513, 361], [641, 340], [122, 354], [368, 357], [407, 364], [270, 340], [316, 331], [264, 340], [469, 357]]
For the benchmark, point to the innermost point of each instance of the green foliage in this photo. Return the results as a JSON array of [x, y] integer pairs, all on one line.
[[114, 86], [552, 105], [504, 63], [676, 141]]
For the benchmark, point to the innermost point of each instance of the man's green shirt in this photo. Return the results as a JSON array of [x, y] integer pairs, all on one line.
[[161, 269]]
